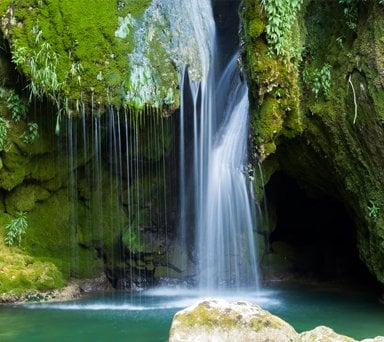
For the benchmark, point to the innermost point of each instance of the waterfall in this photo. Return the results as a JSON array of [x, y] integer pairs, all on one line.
[[225, 234], [121, 166], [223, 210]]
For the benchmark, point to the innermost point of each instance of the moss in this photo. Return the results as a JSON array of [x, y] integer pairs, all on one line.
[[273, 81], [49, 238], [323, 140], [24, 197], [91, 60], [4, 6], [20, 273], [15, 168], [267, 321], [205, 316], [270, 120], [47, 167], [81, 42]]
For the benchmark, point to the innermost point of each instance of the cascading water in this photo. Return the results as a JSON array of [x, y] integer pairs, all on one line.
[[225, 237], [123, 190], [224, 216]]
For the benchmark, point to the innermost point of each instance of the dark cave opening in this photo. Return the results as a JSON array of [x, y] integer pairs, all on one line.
[[312, 236]]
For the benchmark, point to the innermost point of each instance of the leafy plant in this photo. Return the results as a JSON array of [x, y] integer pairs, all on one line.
[[42, 63], [350, 13], [31, 133], [16, 228], [319, 80], [340, 41], [281, 16], [373, 210], [44, 80], [3, 133], [17, 106], [19, 54]]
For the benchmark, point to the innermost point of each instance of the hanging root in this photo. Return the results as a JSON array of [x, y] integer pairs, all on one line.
[[354, 98]]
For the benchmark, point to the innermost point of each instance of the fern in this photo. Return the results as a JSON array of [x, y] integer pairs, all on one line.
[[16, 228]]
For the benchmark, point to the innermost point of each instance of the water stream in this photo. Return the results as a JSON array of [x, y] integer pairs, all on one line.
[[223, 213]]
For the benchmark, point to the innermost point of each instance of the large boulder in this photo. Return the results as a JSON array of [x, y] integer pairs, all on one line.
[[217, 320]]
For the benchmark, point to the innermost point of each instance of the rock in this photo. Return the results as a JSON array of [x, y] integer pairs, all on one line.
[[24, 197], [323, 334], [218, 320], [98, 284]]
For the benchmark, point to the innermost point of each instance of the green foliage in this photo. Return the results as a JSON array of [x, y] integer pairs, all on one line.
[[64, 54], [31, 133], [373, 210], [17, 106], [42, 62], [318, 80], [350, 13], [281, 16], [16, 228], [3, 133]]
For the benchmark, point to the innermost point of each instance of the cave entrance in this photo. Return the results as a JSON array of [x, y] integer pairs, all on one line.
[[311, 236]]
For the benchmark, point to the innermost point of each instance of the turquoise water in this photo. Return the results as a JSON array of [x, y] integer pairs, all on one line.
[[147, 316]]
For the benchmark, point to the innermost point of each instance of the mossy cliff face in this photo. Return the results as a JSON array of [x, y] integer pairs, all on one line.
[[89, 211], [338, 148], [75, 51], [273, 83]]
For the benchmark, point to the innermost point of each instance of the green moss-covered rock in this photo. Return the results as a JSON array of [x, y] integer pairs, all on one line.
[[93, 60], [273, 82], [49, 237], [21, 273], [229, 322], [334, 141], [15, 168], [219, 320], [23, 198]]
